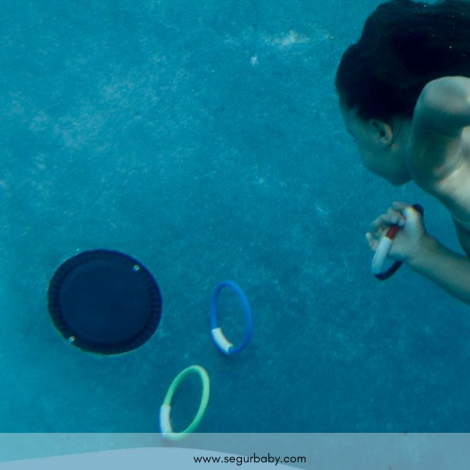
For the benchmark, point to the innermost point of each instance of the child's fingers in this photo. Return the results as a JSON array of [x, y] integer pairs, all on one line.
[[396, 217], [371, 241], [388, 219], [400, 206]]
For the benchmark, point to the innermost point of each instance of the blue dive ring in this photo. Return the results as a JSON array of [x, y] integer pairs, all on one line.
[[219, 338]]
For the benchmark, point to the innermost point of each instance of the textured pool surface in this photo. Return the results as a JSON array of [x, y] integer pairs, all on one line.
[[204, 139]]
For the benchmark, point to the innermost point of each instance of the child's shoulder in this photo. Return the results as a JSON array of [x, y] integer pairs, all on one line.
[[439, 146]]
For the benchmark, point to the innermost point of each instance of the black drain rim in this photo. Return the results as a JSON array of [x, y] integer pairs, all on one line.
[[105, 302]]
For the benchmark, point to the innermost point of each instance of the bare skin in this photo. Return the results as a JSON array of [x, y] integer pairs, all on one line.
[[433, 150]]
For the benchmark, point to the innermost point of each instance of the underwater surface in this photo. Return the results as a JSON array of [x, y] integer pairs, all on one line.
[[204, 139]]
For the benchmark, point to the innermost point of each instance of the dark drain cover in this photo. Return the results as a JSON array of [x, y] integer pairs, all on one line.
[[104, 302]]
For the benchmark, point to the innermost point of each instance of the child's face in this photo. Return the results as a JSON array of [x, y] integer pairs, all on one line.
[[378, 157]]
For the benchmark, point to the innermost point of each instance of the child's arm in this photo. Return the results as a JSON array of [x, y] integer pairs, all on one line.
[[447, 269], [421, 252]]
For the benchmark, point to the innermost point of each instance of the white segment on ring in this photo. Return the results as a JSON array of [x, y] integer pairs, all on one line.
[[381, 253], [165, 421], [219, 337]]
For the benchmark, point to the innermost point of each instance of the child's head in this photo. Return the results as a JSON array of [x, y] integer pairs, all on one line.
[[403, 46]]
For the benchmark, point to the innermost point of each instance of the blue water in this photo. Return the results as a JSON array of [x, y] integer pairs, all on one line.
[[204, 139]]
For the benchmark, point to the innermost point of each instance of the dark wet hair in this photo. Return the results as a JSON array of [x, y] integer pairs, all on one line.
[[403, 46]]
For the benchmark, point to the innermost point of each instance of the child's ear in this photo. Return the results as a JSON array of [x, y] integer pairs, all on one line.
[[382, 131]]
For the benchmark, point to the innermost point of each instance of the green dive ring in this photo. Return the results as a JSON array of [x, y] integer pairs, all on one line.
[[165, 410]]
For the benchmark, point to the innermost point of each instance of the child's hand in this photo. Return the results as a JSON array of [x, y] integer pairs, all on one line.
[[409, 239]]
